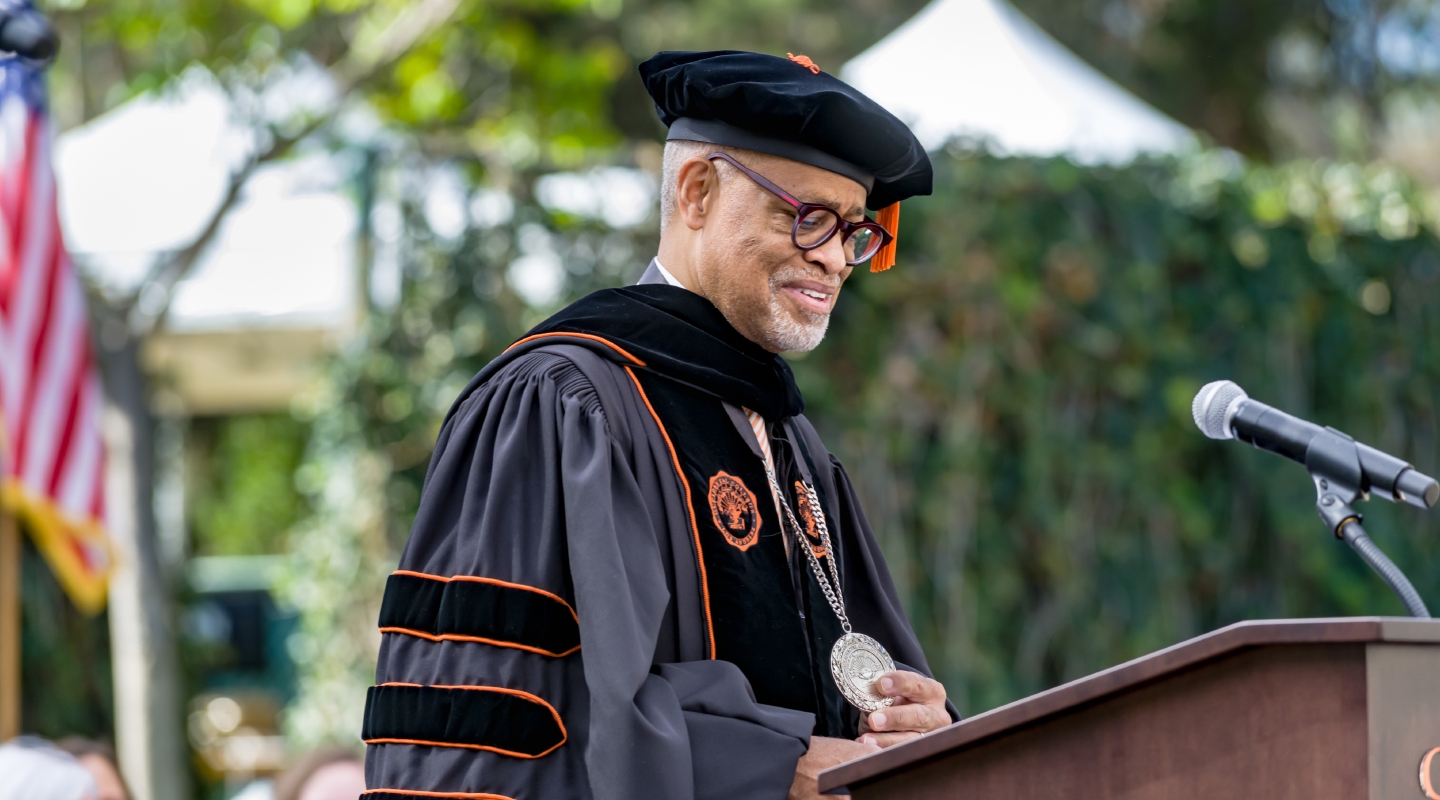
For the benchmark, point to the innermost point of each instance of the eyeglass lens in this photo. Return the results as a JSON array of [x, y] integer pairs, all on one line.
[[816, 226], [862, 244]]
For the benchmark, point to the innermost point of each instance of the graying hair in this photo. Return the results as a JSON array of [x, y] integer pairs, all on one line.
[[677, 151]]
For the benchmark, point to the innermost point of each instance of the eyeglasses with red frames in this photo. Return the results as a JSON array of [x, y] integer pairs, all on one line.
[[816, 224]]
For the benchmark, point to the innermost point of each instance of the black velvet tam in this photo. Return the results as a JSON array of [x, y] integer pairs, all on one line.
[[788, 107]]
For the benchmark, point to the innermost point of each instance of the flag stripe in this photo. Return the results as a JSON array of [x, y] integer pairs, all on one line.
[[34, 351], [29, 193], [33, 290], [14, 126], [96, 506], [76, 473], [19, 192], [53, 386], [71, 394]]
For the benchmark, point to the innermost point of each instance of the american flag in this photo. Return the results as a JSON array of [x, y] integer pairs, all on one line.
[[51, 452]]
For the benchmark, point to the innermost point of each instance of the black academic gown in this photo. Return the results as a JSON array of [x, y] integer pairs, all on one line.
[[548, 633]]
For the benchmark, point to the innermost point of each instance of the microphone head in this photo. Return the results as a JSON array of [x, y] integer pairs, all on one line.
[[1215, 407]]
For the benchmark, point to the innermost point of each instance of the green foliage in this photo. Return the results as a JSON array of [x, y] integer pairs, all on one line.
[[241, 491], [335, 576], [510, 85], [65, 678], [1013, 400]]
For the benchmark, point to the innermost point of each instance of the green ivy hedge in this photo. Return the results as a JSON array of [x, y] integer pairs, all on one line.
[[1014, 400]]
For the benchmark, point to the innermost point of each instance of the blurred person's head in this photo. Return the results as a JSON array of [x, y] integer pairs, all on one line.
[[332, 773], [98, 759], [34, 769], [728, 239]]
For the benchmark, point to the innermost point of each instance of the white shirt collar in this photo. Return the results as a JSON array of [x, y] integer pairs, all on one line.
[[665, 273]]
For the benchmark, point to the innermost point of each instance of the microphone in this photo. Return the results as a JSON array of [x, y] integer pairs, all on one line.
[[28, 34], [1222, 410]]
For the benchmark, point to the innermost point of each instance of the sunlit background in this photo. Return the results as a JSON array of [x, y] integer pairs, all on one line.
[[305, 224]]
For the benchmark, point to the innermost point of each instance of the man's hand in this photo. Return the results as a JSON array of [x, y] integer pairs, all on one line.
[[919, 707], [824, 754]]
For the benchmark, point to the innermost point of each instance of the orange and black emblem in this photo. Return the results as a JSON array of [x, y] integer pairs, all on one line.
[[734, 510], [806, 514]]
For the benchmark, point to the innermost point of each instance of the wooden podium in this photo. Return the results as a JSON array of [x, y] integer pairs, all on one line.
[[1312, 709]]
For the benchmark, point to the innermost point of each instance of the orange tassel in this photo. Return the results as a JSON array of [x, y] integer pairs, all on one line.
[[889, 219]]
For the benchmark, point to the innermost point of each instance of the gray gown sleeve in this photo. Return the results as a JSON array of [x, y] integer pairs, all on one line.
[[529, 486]]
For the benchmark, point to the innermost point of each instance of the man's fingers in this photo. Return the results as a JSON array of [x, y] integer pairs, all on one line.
[[909, 717], [913, 686], [884, 740]]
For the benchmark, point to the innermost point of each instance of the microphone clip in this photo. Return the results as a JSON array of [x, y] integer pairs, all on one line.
[[1333, 461]]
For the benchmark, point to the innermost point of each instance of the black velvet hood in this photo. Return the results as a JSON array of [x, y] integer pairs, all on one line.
[[683, 336]]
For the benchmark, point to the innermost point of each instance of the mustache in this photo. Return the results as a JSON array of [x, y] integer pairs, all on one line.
[[788, 274]]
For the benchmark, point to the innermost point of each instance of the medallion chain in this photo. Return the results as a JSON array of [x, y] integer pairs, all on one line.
[[832, 593]]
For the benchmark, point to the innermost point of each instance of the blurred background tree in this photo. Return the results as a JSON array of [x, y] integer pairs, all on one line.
[[241, 474], [1354, 79], [1012, 399]]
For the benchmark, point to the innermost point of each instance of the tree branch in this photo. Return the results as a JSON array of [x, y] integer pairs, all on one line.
[[165, 274], [361, 63], [370, 54]]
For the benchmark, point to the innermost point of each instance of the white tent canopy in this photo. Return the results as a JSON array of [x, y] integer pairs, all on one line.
[[979, 69]]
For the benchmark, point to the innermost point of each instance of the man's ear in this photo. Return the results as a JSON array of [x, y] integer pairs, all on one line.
[[695, 193]]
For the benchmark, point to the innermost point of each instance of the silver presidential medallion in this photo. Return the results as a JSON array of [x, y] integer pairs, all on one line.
[[857, 662]]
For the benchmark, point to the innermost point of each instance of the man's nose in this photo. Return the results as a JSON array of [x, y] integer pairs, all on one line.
[[829, 256]]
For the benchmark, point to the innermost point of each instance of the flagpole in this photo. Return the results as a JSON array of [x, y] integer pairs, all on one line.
[[10, 554]]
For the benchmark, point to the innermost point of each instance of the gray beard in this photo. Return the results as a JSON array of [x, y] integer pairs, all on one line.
[[779, 331], [783, 332]]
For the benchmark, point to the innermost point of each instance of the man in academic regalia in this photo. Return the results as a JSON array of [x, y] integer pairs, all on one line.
[[636, 571]]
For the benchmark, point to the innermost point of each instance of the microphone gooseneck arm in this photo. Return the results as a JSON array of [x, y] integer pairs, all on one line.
[[1359, 541], [1334, 461]]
